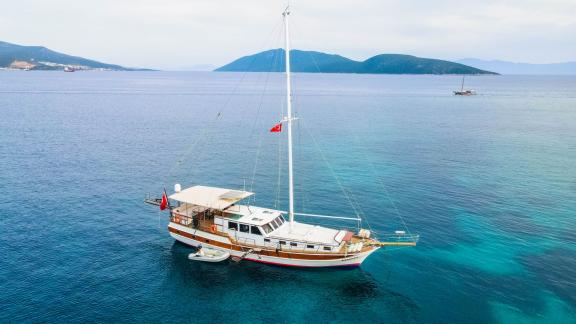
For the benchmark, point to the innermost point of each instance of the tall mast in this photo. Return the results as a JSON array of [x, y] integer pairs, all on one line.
[[289, 119]]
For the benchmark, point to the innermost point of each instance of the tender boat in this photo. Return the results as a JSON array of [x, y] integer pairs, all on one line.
[[207, 254], [216, 218]]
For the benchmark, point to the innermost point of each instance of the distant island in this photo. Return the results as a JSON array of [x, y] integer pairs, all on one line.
[[318, 62], [20, 57], [504, 67]]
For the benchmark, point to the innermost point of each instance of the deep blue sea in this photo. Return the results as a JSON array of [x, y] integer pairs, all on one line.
[[489, 182]]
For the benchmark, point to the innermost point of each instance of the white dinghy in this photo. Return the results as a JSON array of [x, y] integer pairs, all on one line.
[[207, 254]]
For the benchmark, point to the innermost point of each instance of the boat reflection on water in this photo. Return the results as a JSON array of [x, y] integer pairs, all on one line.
[[353, 287]]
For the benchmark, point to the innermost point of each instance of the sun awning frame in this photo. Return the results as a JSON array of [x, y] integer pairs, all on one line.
[[210, 197]]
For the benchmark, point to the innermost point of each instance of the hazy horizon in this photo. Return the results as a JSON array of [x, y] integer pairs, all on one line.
[[179, 34]]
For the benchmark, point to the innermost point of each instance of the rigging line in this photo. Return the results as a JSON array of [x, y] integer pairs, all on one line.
[[305, 193], [247, 117], [192, 146], [295, 27], [211, 124], [280, 158], [244, 107], [260, 104], [266, 41], [301, 187], [348, 193], [279, 178], [281, 139], [331, 170], [356, 203], [260, 132], [381, 182], [364, 218], [219, 113], [351, 197]]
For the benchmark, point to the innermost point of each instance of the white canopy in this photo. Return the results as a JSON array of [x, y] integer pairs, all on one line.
[[211, 197]]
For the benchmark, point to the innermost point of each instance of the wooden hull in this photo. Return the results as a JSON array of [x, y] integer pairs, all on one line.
[[195, 237]]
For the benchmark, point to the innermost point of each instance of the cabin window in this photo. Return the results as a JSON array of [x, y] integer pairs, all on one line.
[[244, 228], [273, 225], [282, 242], [255, 230], [267, 228], [232, 225], [293, 244], [282, 218], [327, 248], [266, 240], [309, 246], [276, 224]]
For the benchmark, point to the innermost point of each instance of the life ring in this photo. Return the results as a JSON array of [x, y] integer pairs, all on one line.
[[213, 228], [177, 219]]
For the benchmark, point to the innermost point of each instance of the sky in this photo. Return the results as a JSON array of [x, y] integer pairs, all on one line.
[[182, 34]]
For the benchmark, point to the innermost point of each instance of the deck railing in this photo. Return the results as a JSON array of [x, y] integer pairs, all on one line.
[[181, 219]]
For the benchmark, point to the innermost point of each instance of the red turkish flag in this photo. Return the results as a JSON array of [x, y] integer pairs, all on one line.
[[277, 128], [164, 202]]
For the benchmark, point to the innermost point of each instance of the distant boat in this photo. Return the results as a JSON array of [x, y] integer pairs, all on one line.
[[462, 92], [69, 69]]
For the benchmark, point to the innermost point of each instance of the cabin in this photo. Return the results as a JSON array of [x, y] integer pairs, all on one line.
[[216, 210]]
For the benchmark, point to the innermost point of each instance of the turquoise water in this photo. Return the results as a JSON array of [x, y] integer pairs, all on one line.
[[489, 182]]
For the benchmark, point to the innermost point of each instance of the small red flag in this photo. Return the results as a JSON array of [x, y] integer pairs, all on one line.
[[164, 202], [277, 128]]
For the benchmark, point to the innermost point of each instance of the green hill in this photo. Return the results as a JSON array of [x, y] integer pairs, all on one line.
[[407, 64], [317, 62], [301, 61], [46, 59]]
